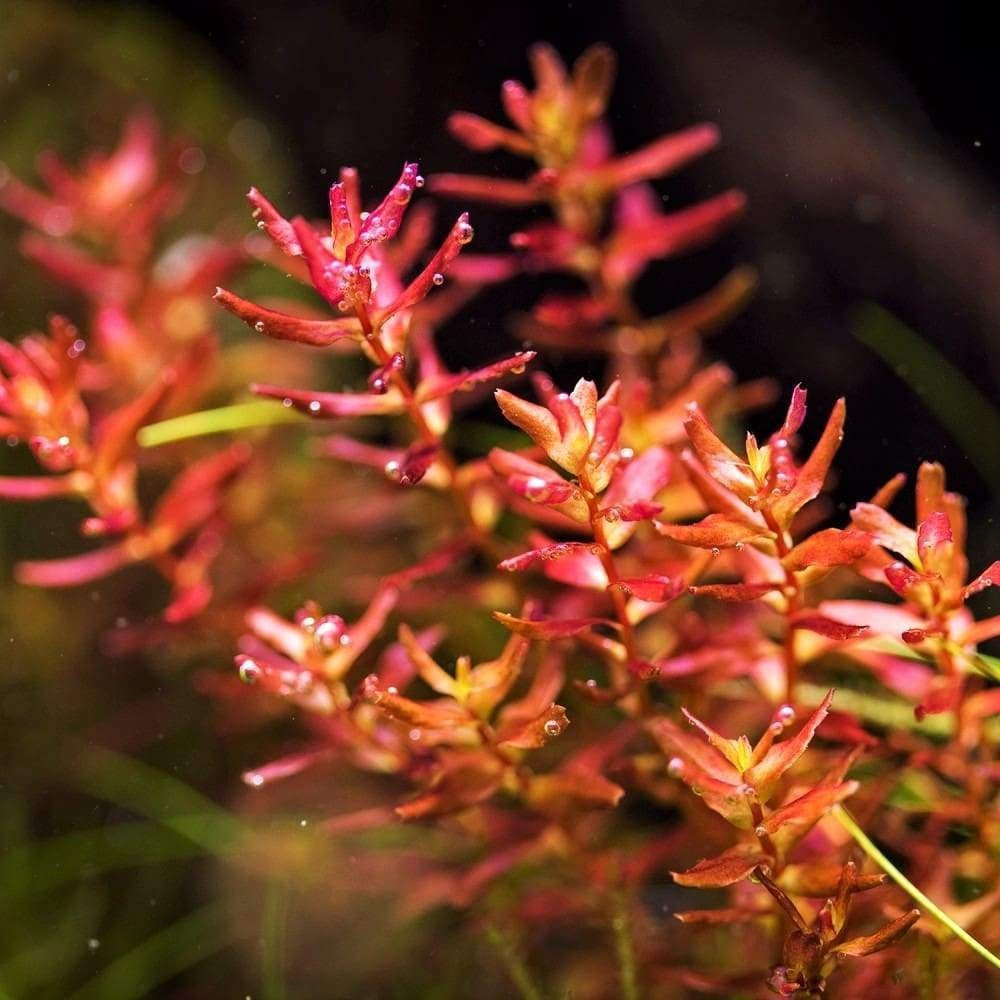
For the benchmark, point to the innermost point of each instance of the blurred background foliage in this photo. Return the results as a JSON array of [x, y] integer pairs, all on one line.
[[117, 878]]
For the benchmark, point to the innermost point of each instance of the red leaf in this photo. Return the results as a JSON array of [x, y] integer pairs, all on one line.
[[557, 550], [541, 489], [790, 823], [882, 938], [812, 475], [549, 628], [653, 588], [901, 577], [333, 404], [735, 591], [659, 158], [726, 869], [535, 732], [280, 326], [829, 627], [445, 384], [274, 224], [674, 740], [886, 530], [933, 531], [990, 577]]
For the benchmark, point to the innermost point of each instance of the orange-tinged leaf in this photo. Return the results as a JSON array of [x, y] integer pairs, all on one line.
[[550, 628], [722, 464], [735, 591], [831, 547], [765, 774], [727, 868], [811, 476], [716, 531], [674, 740], [882, 938], [886, 530], [654, 587], [535, 732], [788, 824], [536, 421]]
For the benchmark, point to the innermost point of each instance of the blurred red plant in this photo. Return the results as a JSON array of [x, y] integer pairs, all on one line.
[[637, 560]]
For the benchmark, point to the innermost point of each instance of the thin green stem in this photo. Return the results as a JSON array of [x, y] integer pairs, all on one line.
[[513, 963], [238, 417], [274, 927], [624, 949], [969, 416], [848, 822]]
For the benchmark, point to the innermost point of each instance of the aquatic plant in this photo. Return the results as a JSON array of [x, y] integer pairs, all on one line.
[[620, 568]]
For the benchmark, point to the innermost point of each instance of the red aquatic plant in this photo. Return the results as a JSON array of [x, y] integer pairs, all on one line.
[[638, 561]]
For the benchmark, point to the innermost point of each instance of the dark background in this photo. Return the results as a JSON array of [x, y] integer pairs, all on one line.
[[864, 134]]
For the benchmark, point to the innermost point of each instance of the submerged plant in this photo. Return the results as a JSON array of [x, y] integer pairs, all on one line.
[[590, 581]]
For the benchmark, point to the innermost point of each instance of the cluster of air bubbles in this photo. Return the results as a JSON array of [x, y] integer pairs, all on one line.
[[55, 452], [375, 231], [329, 632], [379, 380], [76, 349], [785, 715], [782, 475]]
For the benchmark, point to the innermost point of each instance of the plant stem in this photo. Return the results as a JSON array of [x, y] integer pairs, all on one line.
[[238, 417], [847, 821], [624, 950], [513, 963]]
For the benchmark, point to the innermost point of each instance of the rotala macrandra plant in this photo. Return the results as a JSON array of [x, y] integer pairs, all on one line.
[[612, 653]]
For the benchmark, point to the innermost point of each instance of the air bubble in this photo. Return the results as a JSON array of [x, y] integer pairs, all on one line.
[[438, 278], [675, 768], [552, 728], [250, 671], [785, 715], [259, 326]]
